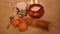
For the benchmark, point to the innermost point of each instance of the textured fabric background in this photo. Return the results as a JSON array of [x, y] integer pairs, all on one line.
[[52, 14]]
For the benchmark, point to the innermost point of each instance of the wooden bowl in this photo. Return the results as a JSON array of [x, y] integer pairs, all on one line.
[[36, 14]]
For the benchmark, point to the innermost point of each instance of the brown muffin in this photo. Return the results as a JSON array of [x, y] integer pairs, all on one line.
[[22, 26], [15, 22]]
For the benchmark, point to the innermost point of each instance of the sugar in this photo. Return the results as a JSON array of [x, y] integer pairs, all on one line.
[[35, 8]]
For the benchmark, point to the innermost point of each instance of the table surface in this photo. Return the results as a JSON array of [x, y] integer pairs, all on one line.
[[52, 14]]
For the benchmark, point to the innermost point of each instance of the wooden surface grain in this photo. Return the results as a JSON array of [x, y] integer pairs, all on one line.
[[52, 14]]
